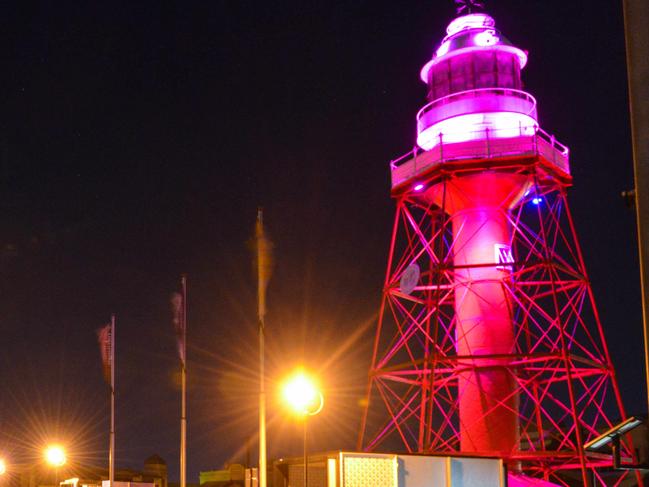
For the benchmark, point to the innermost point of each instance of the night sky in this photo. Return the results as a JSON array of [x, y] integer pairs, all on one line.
[[137, 141]]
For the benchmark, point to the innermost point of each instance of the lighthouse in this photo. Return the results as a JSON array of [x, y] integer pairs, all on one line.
[[488, 341], [475, 97]]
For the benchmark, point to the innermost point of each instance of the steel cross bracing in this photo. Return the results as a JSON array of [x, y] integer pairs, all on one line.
[[565, 387]]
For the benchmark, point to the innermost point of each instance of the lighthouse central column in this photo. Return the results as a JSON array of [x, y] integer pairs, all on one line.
[[488, 402]]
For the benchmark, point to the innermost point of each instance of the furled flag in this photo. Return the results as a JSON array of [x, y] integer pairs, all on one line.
[[264, 261], [104, 338], [178, 320]]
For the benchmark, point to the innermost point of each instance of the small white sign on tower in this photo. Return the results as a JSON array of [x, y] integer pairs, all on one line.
[[409, 279], [504, 257]]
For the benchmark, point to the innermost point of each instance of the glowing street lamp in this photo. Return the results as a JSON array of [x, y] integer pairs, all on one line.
[[3, 467], [55, 457], [301, 394]]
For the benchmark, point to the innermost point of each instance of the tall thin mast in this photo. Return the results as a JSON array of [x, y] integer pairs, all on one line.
[[183, 375], [262, 280], [111, 449]]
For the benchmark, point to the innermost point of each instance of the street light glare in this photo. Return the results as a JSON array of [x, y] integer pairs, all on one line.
[[300, 393], [303, 397], [3, 467], [55, 455]]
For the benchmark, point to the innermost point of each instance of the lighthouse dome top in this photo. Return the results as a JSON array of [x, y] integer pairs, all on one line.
[[471, 21], [472, 32]]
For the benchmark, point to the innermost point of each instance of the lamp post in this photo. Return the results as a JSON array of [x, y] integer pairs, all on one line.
[[303, 397], [55, 457]]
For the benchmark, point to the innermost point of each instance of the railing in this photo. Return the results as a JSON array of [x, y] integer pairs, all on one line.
[[486, 143], [553, 150], [481, 100]]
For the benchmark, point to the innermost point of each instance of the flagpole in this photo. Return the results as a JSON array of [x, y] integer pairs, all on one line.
[[261, 311], [183, 376], [111, 451]]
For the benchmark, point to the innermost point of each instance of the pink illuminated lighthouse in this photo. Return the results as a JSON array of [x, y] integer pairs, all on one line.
[[488, 341]]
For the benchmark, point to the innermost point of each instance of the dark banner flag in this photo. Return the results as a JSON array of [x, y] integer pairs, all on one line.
[[178, 320], [104, 338], [264, 261]]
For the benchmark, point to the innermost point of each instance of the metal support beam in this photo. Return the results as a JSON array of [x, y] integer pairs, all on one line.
[[636, 20]]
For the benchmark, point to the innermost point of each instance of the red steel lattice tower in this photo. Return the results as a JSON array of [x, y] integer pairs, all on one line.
[[488, 340]]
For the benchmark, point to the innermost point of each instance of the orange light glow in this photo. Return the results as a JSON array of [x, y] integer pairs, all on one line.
[[301, 393], [55, 455]]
